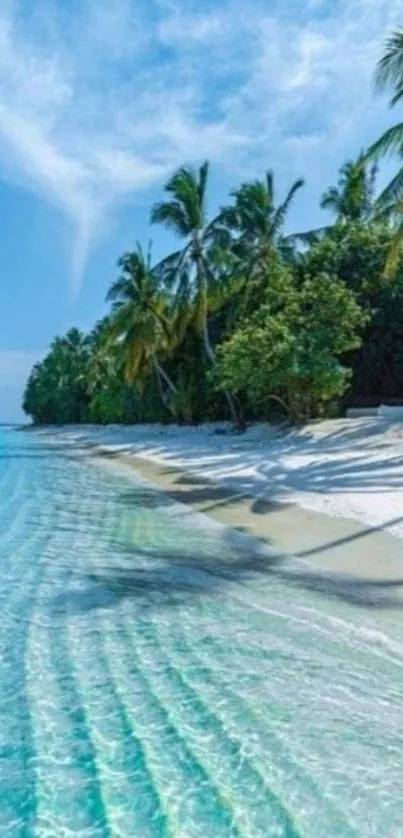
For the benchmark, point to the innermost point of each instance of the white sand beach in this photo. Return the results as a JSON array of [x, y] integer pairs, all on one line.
[[345, 468]]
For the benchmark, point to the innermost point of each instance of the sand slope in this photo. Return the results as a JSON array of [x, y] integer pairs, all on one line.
[[349, 468]]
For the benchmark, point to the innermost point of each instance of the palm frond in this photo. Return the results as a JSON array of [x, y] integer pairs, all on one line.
[[310, 237], [172, 269], [270, 186], [398, 95], [170, 262], [217, 235], [122, 320], [214, 228], [228, 218], [395, 252], [148, 261], [391, 142], [117, 290], [188, 190], [202, 184], [172, 216], [281, 212], [299, 183], [352, 198], [182, 179], [371, 184], [389, 71], [330, 199], [391, 195]]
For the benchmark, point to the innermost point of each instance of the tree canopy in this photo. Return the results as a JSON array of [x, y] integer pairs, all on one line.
[[244, 319]]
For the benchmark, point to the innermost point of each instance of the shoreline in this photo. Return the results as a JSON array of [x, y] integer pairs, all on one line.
[[338, 557], [333, 545], [350, 469], [341, 553]]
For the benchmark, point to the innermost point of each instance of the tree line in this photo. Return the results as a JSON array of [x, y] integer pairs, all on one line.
[[243, 321]]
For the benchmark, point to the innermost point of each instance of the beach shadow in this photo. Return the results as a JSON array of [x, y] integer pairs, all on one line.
[[355, 590], [339, 542], [204, 495], [195, 575], [106, 588], [169, 571], [268, 462]]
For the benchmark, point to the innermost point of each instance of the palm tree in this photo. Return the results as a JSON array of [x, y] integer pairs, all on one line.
[[189, 269], [389, 75], [140, 323], [69, 360], [255, 226], [352, 199], [103, 359], [256, 223], [57, 388]]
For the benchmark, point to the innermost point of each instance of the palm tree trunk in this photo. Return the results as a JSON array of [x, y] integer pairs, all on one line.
[[233, 411], [206, 339], [161, 376], [162, 393], [211, 357], [164, 375]]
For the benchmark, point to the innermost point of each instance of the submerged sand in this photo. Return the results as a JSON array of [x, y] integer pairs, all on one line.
[[217, 475]]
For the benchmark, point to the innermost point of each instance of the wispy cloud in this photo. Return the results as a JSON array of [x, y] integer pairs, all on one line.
[[104, 100]]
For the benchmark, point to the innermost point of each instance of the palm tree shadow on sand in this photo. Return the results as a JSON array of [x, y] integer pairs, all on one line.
[[154, 577]]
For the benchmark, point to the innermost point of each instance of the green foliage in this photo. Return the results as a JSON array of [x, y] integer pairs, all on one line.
[[244, 316], [355, 253], [286, 333], [254, 224], [389, 204], [378, 365], [289, 349], [389, 71], [352, 199], [57, 388]]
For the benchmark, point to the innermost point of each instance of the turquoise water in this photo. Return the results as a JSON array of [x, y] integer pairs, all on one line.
[[154, 681]]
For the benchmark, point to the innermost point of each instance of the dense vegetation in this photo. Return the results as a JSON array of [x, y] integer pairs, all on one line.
[[242, 320]]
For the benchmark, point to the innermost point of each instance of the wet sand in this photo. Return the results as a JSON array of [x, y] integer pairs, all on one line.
[[342, 557]]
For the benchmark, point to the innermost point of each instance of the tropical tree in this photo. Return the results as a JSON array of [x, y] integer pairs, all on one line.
[[57, 388], [389, 70], [352, 199], [140, 323], [257, 223], [189, 270], [355, 254], [277, 323], [288, 350], [102, 361], [389, 75], [104, 375]]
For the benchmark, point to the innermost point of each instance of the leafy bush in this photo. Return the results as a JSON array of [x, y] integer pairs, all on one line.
[[290, 351]]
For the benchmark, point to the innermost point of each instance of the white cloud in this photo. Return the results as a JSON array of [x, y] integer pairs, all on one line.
[[187, 29], [105, 100]]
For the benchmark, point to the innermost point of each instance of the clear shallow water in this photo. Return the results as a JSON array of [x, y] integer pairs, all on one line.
[[154, 682]]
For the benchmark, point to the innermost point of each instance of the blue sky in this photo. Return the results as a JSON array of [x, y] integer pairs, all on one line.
[[101, 99]]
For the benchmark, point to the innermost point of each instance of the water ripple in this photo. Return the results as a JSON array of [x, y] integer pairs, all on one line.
[[152, 684]]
